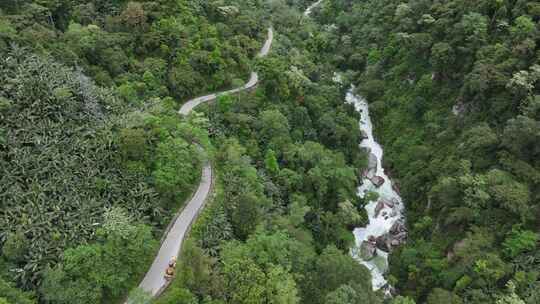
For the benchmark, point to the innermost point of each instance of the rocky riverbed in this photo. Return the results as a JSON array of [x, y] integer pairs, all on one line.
[[386, 229]]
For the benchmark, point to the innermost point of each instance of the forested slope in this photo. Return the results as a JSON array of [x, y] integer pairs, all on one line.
[[94, 159], [454, 91], [287, 160]]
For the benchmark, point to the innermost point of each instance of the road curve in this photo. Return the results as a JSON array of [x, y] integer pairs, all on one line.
[[253, 80], [154, 281]]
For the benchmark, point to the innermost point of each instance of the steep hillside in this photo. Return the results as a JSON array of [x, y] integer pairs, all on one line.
[[94, 157], [95, 160], [454, 89]]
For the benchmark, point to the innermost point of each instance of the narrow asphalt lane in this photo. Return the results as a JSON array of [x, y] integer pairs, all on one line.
[[154, 281]]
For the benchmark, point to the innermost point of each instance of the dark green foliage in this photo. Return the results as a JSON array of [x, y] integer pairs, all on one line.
[[92, 174], [453, 88], [59, 162], [175, 168], [11, 295], [94, 273], [338, 275], [287, 158]]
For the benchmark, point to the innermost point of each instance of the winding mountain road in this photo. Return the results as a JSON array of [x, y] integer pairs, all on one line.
[[154, 281], [253, 80]]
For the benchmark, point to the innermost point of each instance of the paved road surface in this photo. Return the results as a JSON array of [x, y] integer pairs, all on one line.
[[253, 80], [154, 281]]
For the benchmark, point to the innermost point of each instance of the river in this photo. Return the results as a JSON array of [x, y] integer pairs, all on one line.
[[386, 227]]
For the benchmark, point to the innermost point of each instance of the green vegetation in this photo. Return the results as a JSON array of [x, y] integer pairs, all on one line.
[[454, 92], [95, 160], [278, 228]]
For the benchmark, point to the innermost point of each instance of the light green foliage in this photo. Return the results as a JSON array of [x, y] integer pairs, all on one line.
[[15, 247], [524, 28], [88, 273], [11, 295], [519, 241], [463, 283], [274, 130], [333, 269], [348, 214], [345, 294], [298, 211], [281, 287], [512, 195], [452, 89], [474, 188], [176, 163], [511, 297], [271, 163], [259, 270], [194, 270], [177, 296], [403, 300], [441, 296], [245, 281], [117, 222], [139, 296], [490, 268]]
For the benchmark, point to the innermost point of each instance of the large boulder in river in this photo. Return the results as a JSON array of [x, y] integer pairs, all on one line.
[[384, 243], [363, 134], [383, 203], [387, 242], [397, 228], [378, 181], [368, 250], [387, 203], [400, 237], [380, 206]]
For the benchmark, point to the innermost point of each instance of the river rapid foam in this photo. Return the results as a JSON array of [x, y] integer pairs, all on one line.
[[386, 228]]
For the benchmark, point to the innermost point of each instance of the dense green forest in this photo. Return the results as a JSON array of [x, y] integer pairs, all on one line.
[[278, 229], [454, 91], [95, 161]]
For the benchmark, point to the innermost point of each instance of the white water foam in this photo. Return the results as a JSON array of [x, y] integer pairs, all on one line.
[[311, 7], [379, 225]]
